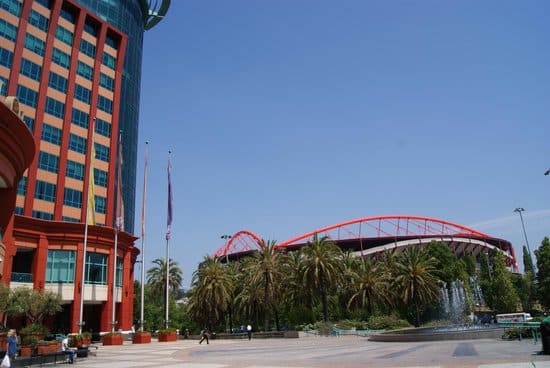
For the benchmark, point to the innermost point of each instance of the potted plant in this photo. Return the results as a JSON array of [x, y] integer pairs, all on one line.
[[141, 337], [75, 340], [42, 347], [167, 335], [35, 329], [28, 344], [86, 338], [112, 338]]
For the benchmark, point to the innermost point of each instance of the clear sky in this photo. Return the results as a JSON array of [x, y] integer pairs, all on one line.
[[285, 116]]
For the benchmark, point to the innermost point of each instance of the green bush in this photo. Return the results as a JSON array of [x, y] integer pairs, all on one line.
[[348, 324], [514, 332], [34, 328], [387, 323]]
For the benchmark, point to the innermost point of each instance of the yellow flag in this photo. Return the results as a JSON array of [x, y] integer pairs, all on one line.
[[91, 197]]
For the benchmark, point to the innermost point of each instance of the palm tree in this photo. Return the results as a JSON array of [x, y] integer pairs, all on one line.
[[321, 267], [370, 284], [211, 293], [265, 269], [416, 279], [156, 276]]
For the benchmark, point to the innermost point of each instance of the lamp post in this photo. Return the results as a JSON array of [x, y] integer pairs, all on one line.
[[520, 210], [226, 237], [547, 172]]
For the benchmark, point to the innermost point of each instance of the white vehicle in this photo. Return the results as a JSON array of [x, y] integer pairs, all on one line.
[[514, 318]]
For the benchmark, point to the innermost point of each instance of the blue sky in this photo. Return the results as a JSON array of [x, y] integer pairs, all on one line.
[[286, 116]]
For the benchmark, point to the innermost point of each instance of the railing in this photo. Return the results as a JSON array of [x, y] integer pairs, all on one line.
[[533, 327], [21, 277]]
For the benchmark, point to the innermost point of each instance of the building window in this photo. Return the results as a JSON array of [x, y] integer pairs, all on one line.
[[72, 198], [27, 96], [101, 152], [55, 108], [118, 271], [100, 204], [90, 29], [6, 57], [22, 186], [19, 210], [82, 93], [38, 20], [87, 48], [85, 70], [111, 41], [30, 69], [35, 44], [57, 82], [61, 58], [8, 30], [77, 143], [108, 60], [104, 104], [45, 3], [107, 82], [67, 15], [44, 190], [48, 162], [100, 177], [42, 215], [103, 127], [60, 266], [51, 134], [69, 219], [64, 35], [12, 6], [75, 170], [96, 269], [29, 122], [3, 86], [80, 118]]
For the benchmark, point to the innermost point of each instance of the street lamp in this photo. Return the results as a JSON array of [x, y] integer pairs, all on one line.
[[547, 172], [520, 210], [225, 237]]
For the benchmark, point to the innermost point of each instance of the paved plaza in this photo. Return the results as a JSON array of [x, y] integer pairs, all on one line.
[[320, 352]]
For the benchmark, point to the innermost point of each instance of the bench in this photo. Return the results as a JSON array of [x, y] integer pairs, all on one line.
[[39, 360]]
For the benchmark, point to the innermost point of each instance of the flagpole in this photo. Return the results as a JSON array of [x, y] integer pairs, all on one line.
[[118, 223], [141, 321], [90, 185], [168, 229]]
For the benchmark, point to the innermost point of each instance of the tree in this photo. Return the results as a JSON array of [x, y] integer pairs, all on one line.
[[445, 261], [33, 304], [156, 276], [543, 272], [502, 286], [416, 280], [370, 285], [321, 268]]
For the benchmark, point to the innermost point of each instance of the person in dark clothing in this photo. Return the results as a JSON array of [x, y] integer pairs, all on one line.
[[204, 336]]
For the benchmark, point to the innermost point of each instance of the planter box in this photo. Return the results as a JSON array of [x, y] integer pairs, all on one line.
[[115, 339], [141, 338], [26, 351], [167, 336]]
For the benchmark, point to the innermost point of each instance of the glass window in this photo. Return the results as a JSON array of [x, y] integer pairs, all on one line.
[[100, 177], [72, 198], [19, 210], [35, 44], [22, 186], [38, 20], [12, 6], [85, 70], [75, 170], [104, 104], [6, 57], [69, 219], [27, 96], [101, 152], [61, 58], [77, 143], [48, 162], [96, 268], [80, 118], [8, 30], [103, 127], [45, 191], [55, 108], [100, 204], [107, 82], [60, 266], [30, 69], [51, 134], [29, 122], [87, 48], [45, 3], [90, 29], [82, 93], [64, 35], [58, 82], [118, 271], [108, 60], [68, 15], [3, 86], [42, 215]]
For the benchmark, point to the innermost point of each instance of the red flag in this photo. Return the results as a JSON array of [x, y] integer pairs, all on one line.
[[169, 217]]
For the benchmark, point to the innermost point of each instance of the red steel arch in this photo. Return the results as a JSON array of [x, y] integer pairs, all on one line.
[[241, 241]]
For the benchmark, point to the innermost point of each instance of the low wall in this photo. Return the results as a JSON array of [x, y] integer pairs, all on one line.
[[419, 334]]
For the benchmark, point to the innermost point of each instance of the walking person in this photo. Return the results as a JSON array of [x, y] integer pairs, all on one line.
[[249, 332], [204, 336], [12, 344]]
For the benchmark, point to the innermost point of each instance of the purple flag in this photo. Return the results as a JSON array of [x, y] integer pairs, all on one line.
[[169, 218]]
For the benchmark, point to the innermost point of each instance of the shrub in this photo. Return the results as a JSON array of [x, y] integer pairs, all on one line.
[[34, 328], [387, 323], [513, 333], [29, 340]]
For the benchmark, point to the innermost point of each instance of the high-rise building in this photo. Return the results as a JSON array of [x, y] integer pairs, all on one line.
[[74, 67]]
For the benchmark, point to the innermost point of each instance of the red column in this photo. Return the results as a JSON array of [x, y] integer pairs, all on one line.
[[11, 249], [127, 300], [39, 263]]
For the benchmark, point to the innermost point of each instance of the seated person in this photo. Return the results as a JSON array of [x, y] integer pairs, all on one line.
[[67, 350]]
